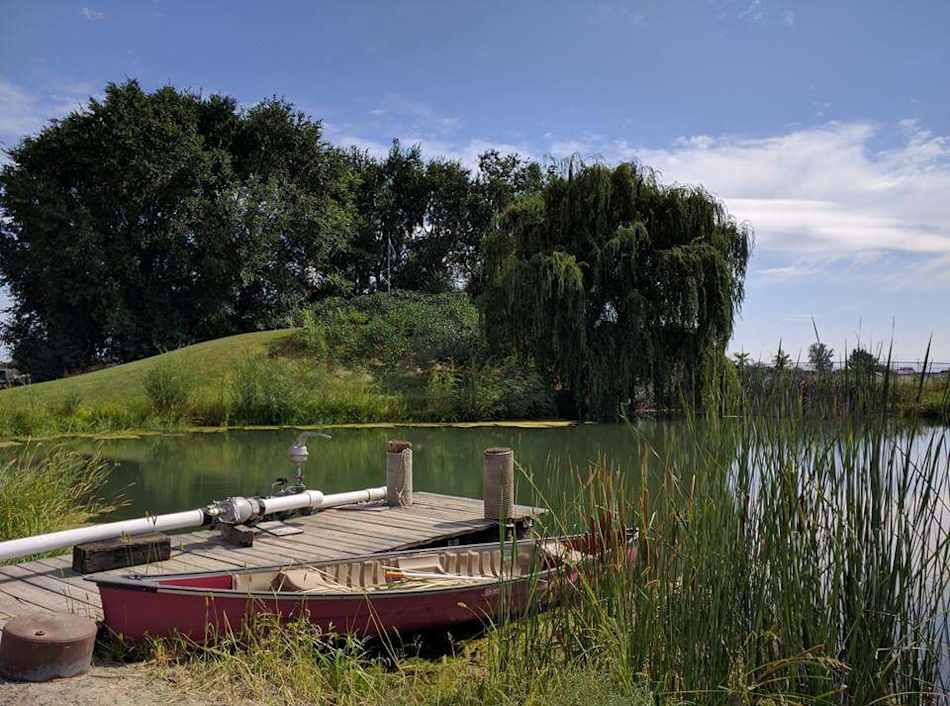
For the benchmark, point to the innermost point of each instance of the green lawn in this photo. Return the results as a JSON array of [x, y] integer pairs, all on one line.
[[124, 383]]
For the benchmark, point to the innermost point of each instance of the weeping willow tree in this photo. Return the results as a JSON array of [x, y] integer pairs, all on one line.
[[617, 286]]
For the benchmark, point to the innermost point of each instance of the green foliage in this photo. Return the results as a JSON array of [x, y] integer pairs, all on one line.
[[175, 217], [487, 391], [162, 217], [168, 388], [782, 360], [510, 389], [777, 562], [49, 490], [821, 357], [438, 335], [614, 283], [311, 337], [394, 329], [69, 405], [293, 663], [442, 393], [267, 391], [863, 362]]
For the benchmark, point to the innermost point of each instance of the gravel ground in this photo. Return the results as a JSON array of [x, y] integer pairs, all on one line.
[[112, 684]]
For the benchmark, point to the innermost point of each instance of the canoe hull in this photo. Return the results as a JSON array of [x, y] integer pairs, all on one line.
[[203, 605], [136, 614]]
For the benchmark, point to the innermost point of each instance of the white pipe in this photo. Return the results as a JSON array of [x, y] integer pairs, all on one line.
[[297, 501], [95, 533], [175, 521], [354, 496]]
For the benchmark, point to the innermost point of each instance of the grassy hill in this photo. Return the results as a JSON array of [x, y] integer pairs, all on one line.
[[405, 358], [121, 383]]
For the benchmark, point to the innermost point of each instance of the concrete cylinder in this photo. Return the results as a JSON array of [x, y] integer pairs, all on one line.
[[44, 646], [498, 483], [398, 473]]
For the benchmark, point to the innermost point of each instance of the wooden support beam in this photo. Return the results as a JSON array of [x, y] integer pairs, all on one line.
[[117, 553]]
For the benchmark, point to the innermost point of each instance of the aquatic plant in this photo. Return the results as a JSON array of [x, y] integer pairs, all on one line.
[[777, 562], [43, 490]]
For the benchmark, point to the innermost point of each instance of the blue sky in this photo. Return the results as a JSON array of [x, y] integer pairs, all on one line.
[[825, 125]]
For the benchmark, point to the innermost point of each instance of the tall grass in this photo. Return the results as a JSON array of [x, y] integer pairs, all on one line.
[[47, 490], [294, 664], [851, 392], [777, 562]]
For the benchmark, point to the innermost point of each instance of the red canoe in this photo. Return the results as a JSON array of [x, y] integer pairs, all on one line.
[[410, 591]]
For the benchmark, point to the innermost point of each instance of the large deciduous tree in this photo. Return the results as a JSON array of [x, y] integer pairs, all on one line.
[[616, 284], [150, 220]]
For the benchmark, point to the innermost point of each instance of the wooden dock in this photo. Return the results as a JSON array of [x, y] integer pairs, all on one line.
[[51, 584]]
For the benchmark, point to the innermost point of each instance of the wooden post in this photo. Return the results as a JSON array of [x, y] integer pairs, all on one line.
[[398, 473], [498, 483]]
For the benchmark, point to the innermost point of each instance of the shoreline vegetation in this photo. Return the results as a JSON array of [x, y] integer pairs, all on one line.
[[406, 359], [777, 564], [50, 490], [793, 547]]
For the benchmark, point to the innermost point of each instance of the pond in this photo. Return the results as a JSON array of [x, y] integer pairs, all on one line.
[[159, 474], [168, 473]]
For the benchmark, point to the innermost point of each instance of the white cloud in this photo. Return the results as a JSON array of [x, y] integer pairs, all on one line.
[[377, 149], [404, 114], [752, 12], [825, 196], [825, 191], [18, 110], [92, 15], [785, 273], [23, 111], [788, 18], [465, 152]]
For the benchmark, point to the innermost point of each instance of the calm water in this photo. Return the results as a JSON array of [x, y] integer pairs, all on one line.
[[168, 473], [161, 474]]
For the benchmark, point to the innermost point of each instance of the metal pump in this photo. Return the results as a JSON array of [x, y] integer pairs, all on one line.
[[299, 455]]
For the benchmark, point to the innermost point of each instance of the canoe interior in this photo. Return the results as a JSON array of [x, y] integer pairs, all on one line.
[[404, 571]]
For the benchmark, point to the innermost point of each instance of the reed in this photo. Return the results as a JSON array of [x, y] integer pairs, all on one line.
[[777, 562], [46, 490]]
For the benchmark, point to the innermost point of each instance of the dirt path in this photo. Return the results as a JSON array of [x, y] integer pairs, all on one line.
[[111, 684]]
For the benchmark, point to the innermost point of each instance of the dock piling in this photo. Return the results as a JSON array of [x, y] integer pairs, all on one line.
[[498, 483], [398, 473]]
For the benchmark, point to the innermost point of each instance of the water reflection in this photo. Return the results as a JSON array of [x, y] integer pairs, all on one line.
[[168, 473]]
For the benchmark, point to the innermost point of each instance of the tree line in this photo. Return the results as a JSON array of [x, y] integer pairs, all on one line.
[[150, 220], [147, 221]]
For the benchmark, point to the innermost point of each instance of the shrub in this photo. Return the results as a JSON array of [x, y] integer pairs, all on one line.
[[110, 416], [69, 405], [395, 328], [24, 420], [442, 394], [211, 408], [507, 390], [311, 337], [168, 388], [267, 391]]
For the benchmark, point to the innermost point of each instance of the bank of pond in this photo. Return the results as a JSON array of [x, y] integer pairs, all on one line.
[[780, 561]]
